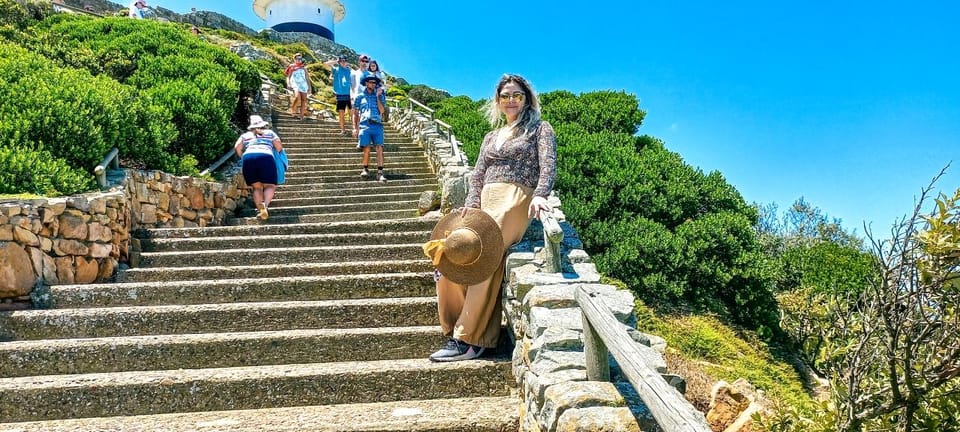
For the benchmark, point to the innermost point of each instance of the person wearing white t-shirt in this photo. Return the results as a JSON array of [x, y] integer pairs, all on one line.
[[356, 87], [137, 9]]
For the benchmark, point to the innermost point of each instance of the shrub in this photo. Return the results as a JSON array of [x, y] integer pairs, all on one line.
[[73, 115], [38, 172], [202, 121], [469, 125], [194, 85]]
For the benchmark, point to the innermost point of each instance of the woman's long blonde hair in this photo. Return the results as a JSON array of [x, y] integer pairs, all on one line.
[[529, 118]]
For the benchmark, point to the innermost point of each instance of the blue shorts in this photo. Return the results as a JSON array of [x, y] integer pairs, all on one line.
[[259, 168], [370, 134]]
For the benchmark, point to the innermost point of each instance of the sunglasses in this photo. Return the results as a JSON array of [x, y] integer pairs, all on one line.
[[517, 96]]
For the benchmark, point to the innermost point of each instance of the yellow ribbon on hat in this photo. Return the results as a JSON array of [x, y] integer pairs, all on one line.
[[434, 249]]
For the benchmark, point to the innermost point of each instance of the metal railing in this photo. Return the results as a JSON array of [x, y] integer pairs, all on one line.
[[603, 334], [112, 161]]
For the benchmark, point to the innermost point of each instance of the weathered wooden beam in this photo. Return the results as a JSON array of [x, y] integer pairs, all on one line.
[[669, 408]]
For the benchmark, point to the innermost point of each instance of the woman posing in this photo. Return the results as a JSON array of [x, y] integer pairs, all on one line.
[[513, 176]]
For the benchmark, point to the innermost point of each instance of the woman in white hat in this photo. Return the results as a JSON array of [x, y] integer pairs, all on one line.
[[256, 147], [513, 176]]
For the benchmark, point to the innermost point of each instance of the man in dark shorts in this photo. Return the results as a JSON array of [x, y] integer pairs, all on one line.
[[341, 87]]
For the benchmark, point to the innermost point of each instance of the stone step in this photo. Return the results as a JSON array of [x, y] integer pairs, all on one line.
[[348, 179], [241, 288], [328, 190], [392, 170], [251, 387], [347, 175], [333, 217], [223, 317], [307, 135], [293, 125], [479, 414], [215, 350], [281, 241], [345, 199], [295, 138], [351, 186], [159, 274], [284, 255], [387, 225], [352, 157], [333, 165], [320, 162], [409, 206]]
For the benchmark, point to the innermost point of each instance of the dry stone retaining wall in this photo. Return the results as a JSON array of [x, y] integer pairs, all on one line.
[[83, 239]]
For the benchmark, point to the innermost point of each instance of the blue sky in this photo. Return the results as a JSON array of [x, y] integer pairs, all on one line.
[[852, 105]]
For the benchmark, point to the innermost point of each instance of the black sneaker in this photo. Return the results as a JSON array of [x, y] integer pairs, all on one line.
[[455, 350]]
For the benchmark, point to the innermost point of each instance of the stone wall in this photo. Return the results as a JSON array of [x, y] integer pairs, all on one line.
[[85, 238], [548, 360], [79, 239], [453, 171]]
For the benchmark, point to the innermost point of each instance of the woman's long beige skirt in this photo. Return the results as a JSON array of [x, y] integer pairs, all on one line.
[[473, 313]]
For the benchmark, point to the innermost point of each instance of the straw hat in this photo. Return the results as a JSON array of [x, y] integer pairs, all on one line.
[[466, 250]]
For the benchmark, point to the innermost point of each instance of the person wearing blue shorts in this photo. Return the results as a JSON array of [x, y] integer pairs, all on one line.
[[368, 123]]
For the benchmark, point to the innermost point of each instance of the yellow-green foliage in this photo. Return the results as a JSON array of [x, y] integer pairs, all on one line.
[[726, 354]]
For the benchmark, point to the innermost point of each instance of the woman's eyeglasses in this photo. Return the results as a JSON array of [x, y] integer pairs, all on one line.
[[517, 96]]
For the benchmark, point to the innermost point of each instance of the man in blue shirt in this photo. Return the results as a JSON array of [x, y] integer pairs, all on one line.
[[341, 87], [368, 123]]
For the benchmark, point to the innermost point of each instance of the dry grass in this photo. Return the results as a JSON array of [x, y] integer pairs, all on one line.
[[699, 382]]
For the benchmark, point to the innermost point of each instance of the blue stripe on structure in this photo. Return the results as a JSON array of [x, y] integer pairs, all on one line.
[[305, 27]]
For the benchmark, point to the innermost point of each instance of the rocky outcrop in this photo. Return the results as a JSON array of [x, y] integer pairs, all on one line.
[[732, 406], [215, 20]]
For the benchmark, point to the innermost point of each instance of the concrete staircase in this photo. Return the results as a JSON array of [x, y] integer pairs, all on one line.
[[319, 319]]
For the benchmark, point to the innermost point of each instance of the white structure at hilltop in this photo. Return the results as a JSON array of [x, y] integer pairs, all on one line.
[[310, 16]]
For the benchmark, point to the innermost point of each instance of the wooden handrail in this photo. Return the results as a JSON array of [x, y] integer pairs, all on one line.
[[552, 237], [442, 127], [57, 6], [110, 160], [602, 332], [421, 105]]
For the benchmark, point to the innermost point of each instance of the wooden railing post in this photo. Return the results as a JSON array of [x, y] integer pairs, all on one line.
[[552, 237], [597, 356]]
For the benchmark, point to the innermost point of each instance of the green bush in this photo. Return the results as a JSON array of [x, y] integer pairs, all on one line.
[[20, 14], [203, 122], [73, 115], [469, 124], [40, 173]]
